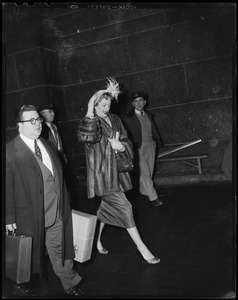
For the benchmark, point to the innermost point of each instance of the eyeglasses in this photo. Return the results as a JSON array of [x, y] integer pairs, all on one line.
[[33, 120]]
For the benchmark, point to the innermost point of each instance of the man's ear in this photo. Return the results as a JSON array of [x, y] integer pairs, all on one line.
[[19, 127]]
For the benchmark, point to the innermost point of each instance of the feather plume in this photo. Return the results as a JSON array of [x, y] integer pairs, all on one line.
[[113, 87]]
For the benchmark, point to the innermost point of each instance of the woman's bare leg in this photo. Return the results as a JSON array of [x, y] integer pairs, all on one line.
[[99, 244], [133, 232]]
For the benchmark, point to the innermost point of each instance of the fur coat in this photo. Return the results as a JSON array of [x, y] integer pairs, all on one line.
[[102, 175]]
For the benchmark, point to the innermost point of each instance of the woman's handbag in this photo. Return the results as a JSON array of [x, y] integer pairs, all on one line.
[[124, 161], [18, 258]]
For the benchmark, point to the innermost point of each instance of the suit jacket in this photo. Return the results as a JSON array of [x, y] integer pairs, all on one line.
[[133, 127], [25, 198], [48, 135]]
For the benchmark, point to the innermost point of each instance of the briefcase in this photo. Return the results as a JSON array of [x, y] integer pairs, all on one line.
[[18, 258], [83, 234]]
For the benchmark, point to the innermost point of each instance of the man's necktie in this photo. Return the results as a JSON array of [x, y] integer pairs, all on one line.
[[37, 150]]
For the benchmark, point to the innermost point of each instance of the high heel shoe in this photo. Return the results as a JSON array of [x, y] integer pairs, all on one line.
[[151, 261], [103, 251]]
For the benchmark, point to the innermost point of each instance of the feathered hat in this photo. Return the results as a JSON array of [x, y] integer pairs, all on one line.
[[112, 88]]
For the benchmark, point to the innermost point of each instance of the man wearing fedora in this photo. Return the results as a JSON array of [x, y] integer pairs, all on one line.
[[50, 130], [145, 138]]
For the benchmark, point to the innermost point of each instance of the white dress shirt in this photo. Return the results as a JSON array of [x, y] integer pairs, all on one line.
[[45, 156], [140, 113]]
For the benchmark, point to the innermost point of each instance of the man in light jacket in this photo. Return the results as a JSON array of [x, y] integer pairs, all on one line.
[[145, 138]]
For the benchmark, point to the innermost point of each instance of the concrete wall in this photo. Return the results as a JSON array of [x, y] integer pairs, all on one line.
[[182, 56]]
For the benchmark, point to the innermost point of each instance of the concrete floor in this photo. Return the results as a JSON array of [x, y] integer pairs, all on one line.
[[193, 233]]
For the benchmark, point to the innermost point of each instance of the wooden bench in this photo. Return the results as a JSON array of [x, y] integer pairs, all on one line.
[[184, 159]]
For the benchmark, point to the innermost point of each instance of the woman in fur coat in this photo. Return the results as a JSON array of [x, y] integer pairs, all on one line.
[[103, 134]]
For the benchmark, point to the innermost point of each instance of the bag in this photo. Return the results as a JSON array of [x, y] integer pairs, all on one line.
[[84, 226], [18, 258], [124, 161]]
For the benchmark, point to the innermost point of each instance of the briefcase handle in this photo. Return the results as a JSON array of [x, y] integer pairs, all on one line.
[[12, 233]]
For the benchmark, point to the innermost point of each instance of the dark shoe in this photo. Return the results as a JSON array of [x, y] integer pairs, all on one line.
[[41, 287], [157, 202], [143, 197], [151, 261], [23, 290], [75, 291]]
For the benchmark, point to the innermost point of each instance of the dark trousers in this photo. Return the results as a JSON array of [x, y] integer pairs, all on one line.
[[53, 241]]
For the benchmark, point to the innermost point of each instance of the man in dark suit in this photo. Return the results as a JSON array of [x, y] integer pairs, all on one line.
[[145, 137], [50, 130], [37, 203]]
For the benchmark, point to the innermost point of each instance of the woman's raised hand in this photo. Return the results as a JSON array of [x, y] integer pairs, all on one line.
[[91, 104]]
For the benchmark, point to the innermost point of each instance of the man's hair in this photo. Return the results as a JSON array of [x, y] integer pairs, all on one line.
[[19, 112]]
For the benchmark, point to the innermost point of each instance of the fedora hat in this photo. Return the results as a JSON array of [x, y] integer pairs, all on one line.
[[139, 94], [47, 106]]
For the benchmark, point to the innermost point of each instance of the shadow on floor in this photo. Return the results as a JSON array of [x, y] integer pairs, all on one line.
[[193, 233]]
